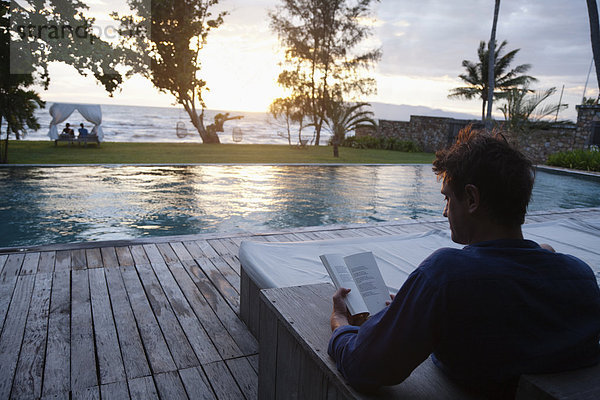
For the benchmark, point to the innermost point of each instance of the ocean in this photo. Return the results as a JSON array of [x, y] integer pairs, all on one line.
[[158, 124]]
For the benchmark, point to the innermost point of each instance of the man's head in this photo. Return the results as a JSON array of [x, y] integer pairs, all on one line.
[[81, 125], [67, 125], [484, 178]]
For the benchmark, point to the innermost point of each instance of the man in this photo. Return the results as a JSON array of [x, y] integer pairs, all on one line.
[[500, 307], [82, 131], [68, 131]]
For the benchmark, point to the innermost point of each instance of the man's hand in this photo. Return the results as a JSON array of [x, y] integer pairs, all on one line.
[[339, 315], [547, 247], [392, 296]]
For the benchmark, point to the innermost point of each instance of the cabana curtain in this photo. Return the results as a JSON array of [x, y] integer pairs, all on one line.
[[61, 111]]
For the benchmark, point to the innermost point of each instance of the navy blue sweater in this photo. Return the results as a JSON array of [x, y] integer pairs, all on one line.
[[488, 312]]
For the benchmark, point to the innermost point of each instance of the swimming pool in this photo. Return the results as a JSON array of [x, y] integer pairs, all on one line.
[[90, 203]]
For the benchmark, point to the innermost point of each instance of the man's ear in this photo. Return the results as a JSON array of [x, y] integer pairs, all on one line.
[[472, 198]]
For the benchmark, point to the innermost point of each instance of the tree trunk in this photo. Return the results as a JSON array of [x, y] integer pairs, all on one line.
[[483, 110], [595, 35], [336, 143], [197, 121], [491, 67]]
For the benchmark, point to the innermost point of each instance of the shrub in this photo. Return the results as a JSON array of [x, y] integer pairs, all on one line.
[[587, 160], [370, 142]]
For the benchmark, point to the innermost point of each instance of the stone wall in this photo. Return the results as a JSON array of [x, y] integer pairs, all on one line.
[[430, 133], [435, 133], [539, 144], [588, 120]]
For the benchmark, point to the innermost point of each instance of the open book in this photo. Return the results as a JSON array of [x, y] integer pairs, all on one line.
[[359, 273]]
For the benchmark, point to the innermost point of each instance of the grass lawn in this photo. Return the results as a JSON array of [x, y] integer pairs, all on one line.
[[45, 152]]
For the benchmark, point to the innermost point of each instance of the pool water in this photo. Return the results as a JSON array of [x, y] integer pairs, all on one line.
[[70, 204]]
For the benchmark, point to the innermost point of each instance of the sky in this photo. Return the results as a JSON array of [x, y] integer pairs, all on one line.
[[423, 44]]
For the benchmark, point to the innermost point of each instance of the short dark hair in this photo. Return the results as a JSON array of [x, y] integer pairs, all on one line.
[[503, 175]]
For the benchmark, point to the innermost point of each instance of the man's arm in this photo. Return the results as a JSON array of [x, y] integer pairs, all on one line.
[[392, 343]]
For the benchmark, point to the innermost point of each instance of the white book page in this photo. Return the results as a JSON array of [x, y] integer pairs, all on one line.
[[341, 277], [369, 281]]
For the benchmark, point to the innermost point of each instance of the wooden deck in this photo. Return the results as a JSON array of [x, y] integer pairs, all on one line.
[[142, 319]]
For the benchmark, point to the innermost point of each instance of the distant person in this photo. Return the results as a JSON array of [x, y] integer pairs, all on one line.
[[500, 307], [82, 131], [68, 131]]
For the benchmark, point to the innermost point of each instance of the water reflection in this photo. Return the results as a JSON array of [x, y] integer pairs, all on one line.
[[66, 204]]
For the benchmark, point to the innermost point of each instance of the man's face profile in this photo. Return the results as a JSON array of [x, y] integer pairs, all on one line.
[[456, 211]]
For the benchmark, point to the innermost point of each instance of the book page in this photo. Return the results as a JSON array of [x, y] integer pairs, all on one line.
[[369, 281], [341, 277]]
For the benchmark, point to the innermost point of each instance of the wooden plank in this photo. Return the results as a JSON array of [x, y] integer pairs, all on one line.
[[3, 258], [46, 264], [8, 280], [153, 255], [114, 391], [30, 369], [169, 386], [221, 338], [58, 354], [110, 363], [139, 255], [181, 251], [229, 273], [253, 360], [142, 388], [253, 320], [312, 382], [223, 286], [245, 299], [90, 393], [230, 320], [167, 253], [83, 355], [78, 259], [13, 332], [267, 367], [222, 382], [196, 335], [287, 382], [132, 350], [124, 256], [156, 348], [576, 385], [62, 260], [237, 240], [245, 376], [12, 267], [219, 247], [94, 257], [30, 263], [233, 245], [196, 384], [58, 396], [206, 250], [109, 257], [179, 346]]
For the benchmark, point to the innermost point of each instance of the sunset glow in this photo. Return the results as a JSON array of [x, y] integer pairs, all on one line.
[[423, 46]]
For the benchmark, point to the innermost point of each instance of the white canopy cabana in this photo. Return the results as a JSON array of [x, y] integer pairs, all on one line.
[[61, 111]]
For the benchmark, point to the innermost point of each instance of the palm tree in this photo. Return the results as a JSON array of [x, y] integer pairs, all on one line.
[[476, 76], [343, 118], [595, 35], [524, 111]]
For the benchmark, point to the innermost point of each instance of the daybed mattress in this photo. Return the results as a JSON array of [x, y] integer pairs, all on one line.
[[283, 264]]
